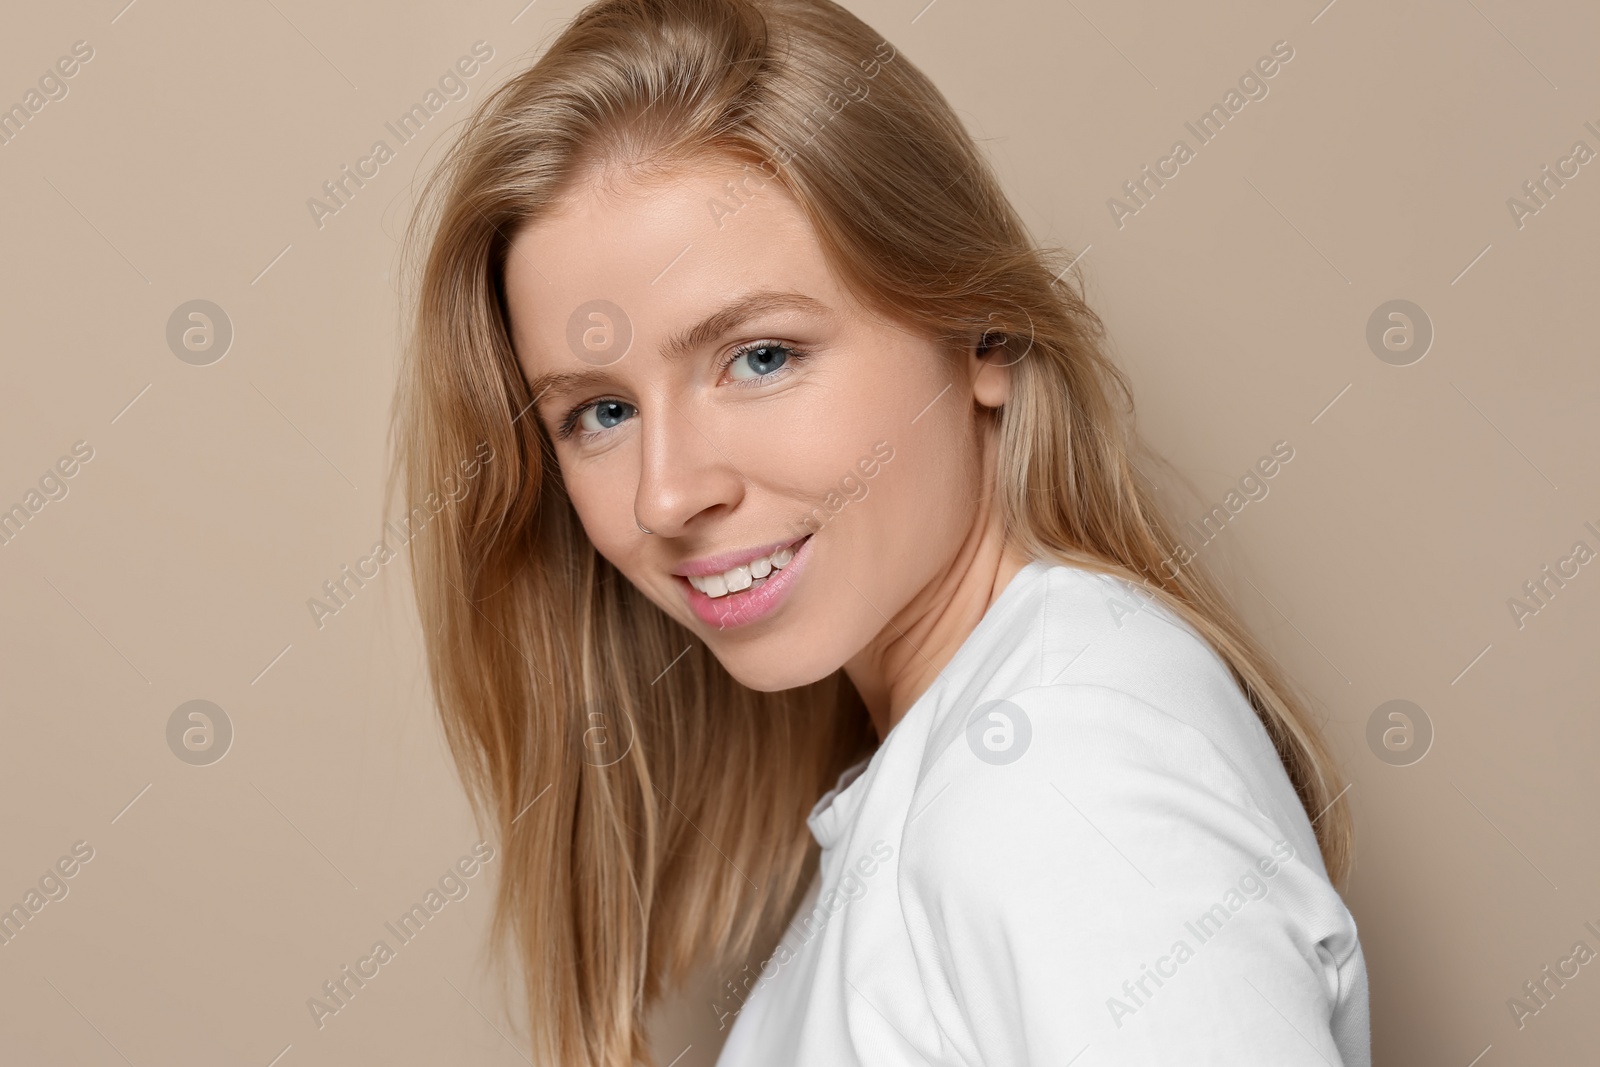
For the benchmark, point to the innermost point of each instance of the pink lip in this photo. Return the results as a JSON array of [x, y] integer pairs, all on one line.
[[748, 605], [699, 568]]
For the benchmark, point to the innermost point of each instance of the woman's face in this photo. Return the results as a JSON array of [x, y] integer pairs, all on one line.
[[732, 397]]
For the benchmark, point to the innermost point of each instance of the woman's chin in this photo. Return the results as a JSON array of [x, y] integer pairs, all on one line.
[[767, 677]]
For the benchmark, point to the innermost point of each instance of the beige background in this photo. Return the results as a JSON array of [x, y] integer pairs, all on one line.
[[220, 497]]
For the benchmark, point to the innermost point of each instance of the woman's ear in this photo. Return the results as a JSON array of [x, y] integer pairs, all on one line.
[[990, 365]]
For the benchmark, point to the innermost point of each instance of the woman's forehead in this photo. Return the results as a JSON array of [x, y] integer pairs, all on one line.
[[660, 258]]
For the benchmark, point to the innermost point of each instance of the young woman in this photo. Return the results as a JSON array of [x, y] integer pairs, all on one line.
[[809, 620]]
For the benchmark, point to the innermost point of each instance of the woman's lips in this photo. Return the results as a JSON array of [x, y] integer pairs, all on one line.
[[726, 561], [748, 605]]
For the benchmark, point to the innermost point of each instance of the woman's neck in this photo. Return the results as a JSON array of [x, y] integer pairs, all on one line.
[[905, 659]]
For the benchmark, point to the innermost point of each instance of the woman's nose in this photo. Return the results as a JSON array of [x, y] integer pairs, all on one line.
[[687, 466]]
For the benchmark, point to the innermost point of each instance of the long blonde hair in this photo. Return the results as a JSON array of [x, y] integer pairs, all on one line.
[[684, 845]]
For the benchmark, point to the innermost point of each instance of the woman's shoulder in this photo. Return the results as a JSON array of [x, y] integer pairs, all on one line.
[[1093, 628], [1106, 694], [1072, 637], [1075, 833]]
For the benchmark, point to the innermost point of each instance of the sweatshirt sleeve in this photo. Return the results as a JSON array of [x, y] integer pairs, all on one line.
[[1114, 895]]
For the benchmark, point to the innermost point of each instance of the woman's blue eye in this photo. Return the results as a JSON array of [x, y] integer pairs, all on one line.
[[762, 355], [766, 359], [608, 413]]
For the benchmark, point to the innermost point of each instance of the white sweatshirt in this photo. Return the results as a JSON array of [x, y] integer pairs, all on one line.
[[1110, 867]]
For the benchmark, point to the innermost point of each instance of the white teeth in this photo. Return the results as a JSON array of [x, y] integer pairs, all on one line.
[[743, 576]]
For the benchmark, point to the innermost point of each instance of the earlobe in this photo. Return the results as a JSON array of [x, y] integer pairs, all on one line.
[[991, 381]]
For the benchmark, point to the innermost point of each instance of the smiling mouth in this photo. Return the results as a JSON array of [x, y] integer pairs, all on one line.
[[746, 576]]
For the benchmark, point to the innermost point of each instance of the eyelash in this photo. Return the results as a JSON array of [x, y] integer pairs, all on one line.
[[796, 355]]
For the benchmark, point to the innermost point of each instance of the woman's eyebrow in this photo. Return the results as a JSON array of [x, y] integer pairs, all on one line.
[[746, 307], [558, 384]]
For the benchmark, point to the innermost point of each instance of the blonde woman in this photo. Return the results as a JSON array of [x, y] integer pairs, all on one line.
[[812, 623]]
